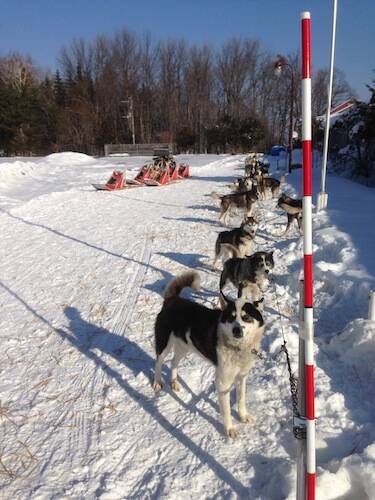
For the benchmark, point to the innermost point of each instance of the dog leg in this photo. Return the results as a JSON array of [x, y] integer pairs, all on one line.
[[223, 391], [222, 217], [241, 400], [299, 222], [158, 381], [290, 220], [226, 217], [257, 293], [178, 355], [217, 256], [249, 211]]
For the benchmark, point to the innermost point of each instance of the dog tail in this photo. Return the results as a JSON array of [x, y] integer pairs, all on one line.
[[189, 279], [215, 196], [232, 249]]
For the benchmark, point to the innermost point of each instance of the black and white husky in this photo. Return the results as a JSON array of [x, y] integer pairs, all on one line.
[[237, 242], [228, 339], [293, 209], [248, 275]]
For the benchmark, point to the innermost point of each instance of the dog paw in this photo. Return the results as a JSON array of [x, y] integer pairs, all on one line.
[[247, 419], [175, 386], [232, 433], [157, 386]]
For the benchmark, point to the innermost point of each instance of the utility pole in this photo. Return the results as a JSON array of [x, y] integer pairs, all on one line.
[[279, 64], [130, 115]]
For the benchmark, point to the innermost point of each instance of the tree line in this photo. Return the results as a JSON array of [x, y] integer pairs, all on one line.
[[196, 97]]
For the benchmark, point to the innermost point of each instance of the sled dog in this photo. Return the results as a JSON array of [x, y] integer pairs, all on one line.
[[248, 275], [265, 183], [241, 185], [228, 339], [237, 242], [228, 202], [293, 209]]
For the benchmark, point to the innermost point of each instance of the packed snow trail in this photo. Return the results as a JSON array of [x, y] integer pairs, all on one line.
[[82, 279]]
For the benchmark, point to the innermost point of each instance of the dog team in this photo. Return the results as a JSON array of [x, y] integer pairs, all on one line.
[[229, 336]]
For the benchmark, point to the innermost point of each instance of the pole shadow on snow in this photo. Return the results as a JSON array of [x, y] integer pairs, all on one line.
[[87, 337], [196, 219], [269, 480], [192, 260], [157, 287], [150, 202], [211, 208], [167, 276], [217, 178]]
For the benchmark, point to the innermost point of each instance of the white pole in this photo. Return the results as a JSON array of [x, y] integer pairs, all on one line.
[[371, 306], [323, 196]]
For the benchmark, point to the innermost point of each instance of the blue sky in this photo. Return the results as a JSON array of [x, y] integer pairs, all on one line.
[[41, 27]]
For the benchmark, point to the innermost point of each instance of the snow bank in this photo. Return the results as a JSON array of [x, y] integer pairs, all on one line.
[[354, 479], [68, 158], [356, 347], [13, 170], [341, 283]]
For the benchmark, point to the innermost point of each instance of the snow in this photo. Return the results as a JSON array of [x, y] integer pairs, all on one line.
[[82, 277]]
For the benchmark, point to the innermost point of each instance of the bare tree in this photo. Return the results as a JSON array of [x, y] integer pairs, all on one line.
[[341, 90]]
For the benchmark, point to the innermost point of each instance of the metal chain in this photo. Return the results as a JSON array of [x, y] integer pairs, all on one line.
[[292, 380], [298, 430]]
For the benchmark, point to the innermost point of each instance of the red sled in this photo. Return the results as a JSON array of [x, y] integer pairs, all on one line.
[[160, 180], [115, 182], [140, 177], [183, 171]]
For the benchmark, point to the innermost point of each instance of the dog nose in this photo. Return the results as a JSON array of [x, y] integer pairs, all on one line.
[[237, 332], [267, 271]]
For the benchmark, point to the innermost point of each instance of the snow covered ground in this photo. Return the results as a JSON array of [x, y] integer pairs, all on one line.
[[82, 275]]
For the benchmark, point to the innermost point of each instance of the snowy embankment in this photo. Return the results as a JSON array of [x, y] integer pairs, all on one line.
[[82, 278]]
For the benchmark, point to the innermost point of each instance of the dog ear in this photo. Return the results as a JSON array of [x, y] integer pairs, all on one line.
[[259, 304]]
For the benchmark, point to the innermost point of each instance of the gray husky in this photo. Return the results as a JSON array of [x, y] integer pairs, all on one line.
[[229, 202], [237, 242], [248, 275], [293, 209]]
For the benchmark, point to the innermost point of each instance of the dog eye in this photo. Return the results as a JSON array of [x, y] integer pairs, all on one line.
[[247, 318]]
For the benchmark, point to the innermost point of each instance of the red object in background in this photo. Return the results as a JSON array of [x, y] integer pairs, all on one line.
[[116, 181], [184, 171]]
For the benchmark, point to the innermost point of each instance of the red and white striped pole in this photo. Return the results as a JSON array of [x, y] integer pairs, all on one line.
[[307, 250]]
